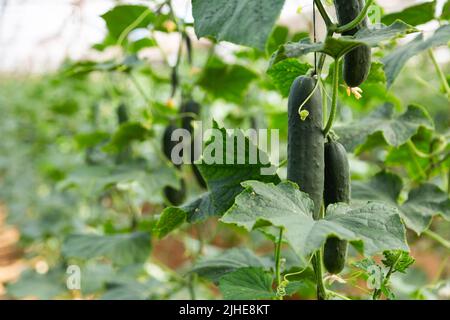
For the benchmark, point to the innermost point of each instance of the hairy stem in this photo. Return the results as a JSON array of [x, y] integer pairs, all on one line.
[[354, 23], [334, 98]]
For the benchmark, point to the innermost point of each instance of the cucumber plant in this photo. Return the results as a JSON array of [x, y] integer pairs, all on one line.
[[367, 175]]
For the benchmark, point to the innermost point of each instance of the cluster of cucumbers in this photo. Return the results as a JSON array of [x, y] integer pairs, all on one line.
[[318, 163], [189, 110]]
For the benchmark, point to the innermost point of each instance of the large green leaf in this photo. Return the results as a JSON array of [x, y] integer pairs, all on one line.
[[228, 261], [285, 72], [414, 15], [337, 47], [246, 22], [396, 129], [224, 180], [373, 227], [423, 202], [230, 80], [247, 284], [394, 62], [122, 249]]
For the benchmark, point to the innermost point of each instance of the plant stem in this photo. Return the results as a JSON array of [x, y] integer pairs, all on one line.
[[421, 154], [323, 13], [278, 259], [133, 25], [354, 23], [334, 98], [440, 73], [317, 264], [433, 235]]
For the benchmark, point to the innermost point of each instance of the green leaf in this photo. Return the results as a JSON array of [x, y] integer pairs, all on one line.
[[285, 72], [337, 47], [394, 62], [41, 286], [224, 180], [214, 268], [91, 139], [414, 15], [396, 129], [131, 290], [127, 132], [119, 18], [152, 176], [230, 80], [121, 249], [423, 202], [399, 261], [446, 11], [247, 284], [377, 225], [246, 22], [278, 37], [171, 218]]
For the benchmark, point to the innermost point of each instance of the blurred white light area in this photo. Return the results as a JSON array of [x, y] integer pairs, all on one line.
[[37, 35]]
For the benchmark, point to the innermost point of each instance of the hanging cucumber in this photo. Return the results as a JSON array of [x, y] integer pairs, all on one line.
[[124, 155], [174, 196], [356, 62], [306, 140], [337, 189], [192, 109]]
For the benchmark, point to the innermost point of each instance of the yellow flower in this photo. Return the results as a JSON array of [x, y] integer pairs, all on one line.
[[355, 91]]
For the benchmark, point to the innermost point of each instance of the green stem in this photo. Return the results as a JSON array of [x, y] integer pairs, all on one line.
[[421, 154], [440, 73], [278, 259], [282, 163], [323, 13], [354, 23], [317, 264], [133, 25], [334, 98], [445, 243]]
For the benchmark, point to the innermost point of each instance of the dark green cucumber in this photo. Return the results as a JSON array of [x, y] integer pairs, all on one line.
[[122, 114], [192, 111], [357, 62], [122, 117], [337, 189], [174, 196], [306, 141]]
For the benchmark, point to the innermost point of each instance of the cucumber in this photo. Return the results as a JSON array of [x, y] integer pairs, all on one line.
[[124, 155], [174, 196], [122, 114], [357, 62], [337, 189], [186, 121], [306, 141]]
